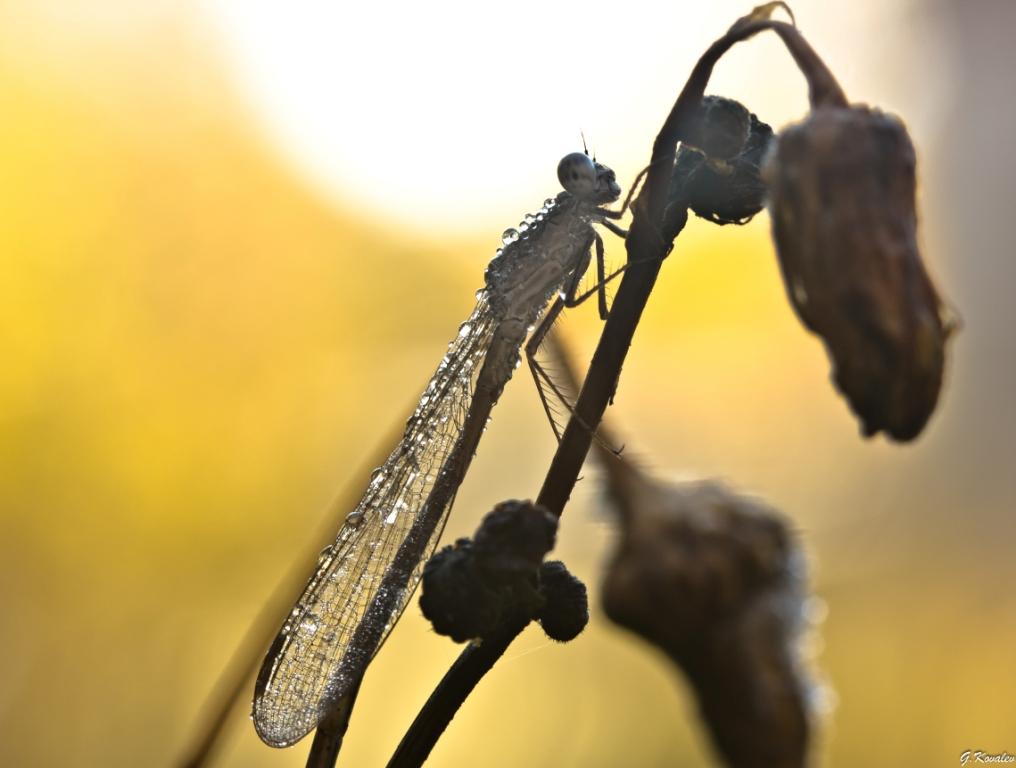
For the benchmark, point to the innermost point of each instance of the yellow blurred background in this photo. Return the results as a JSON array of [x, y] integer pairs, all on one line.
[[203, 338]]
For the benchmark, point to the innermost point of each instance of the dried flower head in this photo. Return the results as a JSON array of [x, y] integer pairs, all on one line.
[[454, 599], [566, 611], [717, 171], [842, 200], [479, 585], [720, 128], [715, 580], [514, 537]]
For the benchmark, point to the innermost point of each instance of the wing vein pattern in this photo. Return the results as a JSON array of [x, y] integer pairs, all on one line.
[[298, 676]]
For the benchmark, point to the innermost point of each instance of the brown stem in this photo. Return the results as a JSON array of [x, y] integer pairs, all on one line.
[[648, 242], [324, 750], [469, 668], [645, 254], [622, 477]]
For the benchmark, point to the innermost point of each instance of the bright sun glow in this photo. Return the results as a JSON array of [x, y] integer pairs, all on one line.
[[444, 112]]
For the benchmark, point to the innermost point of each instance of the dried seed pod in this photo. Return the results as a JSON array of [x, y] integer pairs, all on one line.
[[722, 190], [454, 599], [514, 537], [843, 216], [715, 580], [720, 129], [566, 612], [471, 589]]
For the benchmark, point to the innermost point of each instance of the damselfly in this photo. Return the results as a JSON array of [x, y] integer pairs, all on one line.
[[364, 580]]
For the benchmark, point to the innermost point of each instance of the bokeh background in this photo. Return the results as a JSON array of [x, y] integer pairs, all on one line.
[[234, 240]]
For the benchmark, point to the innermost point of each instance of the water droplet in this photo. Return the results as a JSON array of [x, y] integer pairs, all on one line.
[[354, 518], [510, 236], [800, 294], [391, 517], [548, 202], [464, 330], [823, 698], [816, 610], [812, 645], [309, 625]]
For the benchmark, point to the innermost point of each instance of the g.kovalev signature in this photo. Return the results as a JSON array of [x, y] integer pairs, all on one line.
[[977, 756]]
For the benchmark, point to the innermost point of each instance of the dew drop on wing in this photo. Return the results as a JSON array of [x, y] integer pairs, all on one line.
[[299, 680], [510, 236], [800, 294], [310, 624], [816, 610]]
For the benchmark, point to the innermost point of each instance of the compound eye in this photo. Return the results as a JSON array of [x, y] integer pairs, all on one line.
[[577, 174]]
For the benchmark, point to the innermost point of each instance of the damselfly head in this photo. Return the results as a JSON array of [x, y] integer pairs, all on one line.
[[587, 179]]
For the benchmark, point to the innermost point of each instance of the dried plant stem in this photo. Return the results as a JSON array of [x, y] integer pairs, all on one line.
[[646, 250], [324, 750], [653, 229], [467, 670], [743, 663]]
